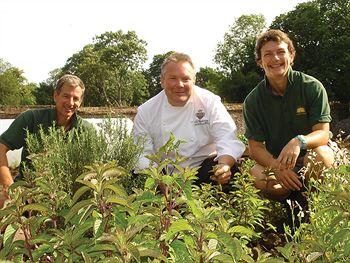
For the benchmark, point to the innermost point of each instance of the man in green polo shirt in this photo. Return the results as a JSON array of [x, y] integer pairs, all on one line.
[[287, 114], [68, 96]]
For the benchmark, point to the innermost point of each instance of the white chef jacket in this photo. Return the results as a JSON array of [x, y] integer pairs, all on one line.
[[203, 123]]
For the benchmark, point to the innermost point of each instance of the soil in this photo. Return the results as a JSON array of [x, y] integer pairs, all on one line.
[[340, 114]]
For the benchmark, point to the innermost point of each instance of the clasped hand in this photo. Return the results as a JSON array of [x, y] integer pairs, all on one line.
[[222, 173], [285, 163], [289, 155]]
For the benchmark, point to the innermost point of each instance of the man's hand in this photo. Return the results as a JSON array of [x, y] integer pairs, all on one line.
[[222, 173], [289, 179], [289, 155], [3, 197]]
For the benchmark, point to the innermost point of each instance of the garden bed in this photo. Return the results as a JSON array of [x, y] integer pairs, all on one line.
[[340, 114]]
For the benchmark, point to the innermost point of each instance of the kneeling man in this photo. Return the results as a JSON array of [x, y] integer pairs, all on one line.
[[287, 119], [194, 115]]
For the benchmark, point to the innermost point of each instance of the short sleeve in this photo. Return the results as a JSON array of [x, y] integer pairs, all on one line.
[[319, 109], [14, 137], [253, 128]]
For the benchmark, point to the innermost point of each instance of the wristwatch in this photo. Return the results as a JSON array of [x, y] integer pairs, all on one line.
[[302, 140]]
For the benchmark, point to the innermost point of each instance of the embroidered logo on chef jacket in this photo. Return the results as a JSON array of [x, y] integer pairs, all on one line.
[[200, 118]]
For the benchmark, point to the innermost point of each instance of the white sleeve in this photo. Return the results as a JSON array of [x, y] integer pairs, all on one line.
[[141, 132], [224, 129]]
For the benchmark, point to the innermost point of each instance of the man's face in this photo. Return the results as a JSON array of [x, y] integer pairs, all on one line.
[[68, 100], [177, 81], [275, 59]]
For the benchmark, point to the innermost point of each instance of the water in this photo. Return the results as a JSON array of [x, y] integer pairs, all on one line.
[[14, 157]]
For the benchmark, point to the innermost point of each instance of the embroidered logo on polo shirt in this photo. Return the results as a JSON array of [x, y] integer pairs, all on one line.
[[200, 121], [301, 110]]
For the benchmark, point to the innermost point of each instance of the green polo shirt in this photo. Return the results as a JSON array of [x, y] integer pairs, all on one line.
[[15, 136], [276, 119]]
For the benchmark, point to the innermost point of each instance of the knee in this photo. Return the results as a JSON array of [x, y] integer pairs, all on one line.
[[268, 185], [324, 155], [259, 177]]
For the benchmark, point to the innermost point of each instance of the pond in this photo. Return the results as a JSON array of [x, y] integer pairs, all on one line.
[[14, 157]]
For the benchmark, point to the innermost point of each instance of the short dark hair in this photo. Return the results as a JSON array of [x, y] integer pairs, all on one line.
[[70, 80], [175, 57], [275, 35]]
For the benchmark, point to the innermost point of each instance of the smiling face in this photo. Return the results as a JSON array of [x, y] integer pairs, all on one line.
[[68, 100], [275, 59], [177, 81]]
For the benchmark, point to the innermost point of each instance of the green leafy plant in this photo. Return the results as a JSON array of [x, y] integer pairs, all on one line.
[[103, 216]]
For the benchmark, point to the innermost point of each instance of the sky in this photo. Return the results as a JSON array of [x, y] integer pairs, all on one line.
[[38, 36]]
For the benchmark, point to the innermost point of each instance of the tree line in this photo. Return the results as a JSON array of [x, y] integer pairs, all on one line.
[[112, 66]]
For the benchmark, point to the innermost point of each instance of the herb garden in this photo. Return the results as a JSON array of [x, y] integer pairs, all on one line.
[[80, 202]]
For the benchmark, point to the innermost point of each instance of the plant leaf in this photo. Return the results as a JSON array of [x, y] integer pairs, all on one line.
[[176, 227], [74, 210], [41, 251], [181, 253], [150, 183], [9, 234], [79, 193], [36, 207], [117, 200], [242, 230], [97, 227], [313, 256], [118, 190], [195, 209]]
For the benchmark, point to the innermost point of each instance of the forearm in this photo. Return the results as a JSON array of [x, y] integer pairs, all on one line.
[[317, 138], [5, 174], [259, 154], [227, 160]]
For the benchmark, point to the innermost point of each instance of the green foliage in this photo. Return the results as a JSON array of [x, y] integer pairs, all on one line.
[[210, 79], [235, 57], [111, 69], [327, 237], [168, 219], [14, 88], [236, 87], [323, 46], [153, 73], [163, 222], [62, 156], [44, 94], [236, 52]]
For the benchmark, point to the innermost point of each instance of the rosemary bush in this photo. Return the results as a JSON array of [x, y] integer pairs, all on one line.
[[61, 157]]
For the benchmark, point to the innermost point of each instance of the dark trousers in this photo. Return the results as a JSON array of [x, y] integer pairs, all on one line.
[[298, 208], [206, 170]]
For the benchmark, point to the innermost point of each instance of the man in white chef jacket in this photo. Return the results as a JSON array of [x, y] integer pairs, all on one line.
[[194, 115]]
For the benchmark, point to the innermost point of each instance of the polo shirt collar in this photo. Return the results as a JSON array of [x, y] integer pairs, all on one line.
[[290, 77], [74, 118], [74, 121]]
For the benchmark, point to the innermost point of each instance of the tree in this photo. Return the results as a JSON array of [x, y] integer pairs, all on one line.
[[111, 69], [236, 52], [321, 33], [235, 57], [14, 87], [153, 73], [44, 93], [237, 87], [211, 79]]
